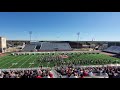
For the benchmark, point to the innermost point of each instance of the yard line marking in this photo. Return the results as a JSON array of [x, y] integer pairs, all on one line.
[[3, 57], [3, 60], [9, 62], [32, 62], [29, 62], [19, 61], [6, 59], [25, 62]]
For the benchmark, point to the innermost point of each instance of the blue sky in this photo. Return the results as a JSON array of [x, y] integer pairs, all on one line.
[[102, 26]]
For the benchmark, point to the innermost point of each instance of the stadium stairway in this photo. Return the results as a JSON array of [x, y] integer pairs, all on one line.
[[55, 75]]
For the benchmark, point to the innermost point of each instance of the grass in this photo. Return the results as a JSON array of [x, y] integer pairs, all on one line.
[[29, 61]]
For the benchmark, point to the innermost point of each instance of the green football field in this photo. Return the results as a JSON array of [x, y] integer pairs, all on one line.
[[29, 61]]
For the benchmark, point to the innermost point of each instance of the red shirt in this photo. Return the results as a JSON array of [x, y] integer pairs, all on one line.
[[85, 73], [38, 77], [51, 75]]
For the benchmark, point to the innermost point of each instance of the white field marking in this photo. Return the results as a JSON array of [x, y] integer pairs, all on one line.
[[2, 58], [6, 60], [25, 62], [14, 63], [22, 59], [18, 61], [32, 62], [9, 62]]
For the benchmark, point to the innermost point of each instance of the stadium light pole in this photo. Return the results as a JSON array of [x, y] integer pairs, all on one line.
[[78, 39], [30, 33], [92, 40]]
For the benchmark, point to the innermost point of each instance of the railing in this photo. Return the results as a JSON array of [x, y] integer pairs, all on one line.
[[35, 68], [24, 68]]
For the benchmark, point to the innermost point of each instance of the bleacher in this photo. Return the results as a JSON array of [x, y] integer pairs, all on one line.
[[113, 49], [47, 46], [29, 48]]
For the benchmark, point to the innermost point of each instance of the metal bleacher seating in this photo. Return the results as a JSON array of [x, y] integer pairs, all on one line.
[[55, 46], [47, 46], [113, 49], [29, 48]]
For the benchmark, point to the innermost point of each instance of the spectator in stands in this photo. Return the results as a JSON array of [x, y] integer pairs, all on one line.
[[85, 73], [69, 71], [38, 76], [81, 76], [50, 75], [1, 75], [26, 74], [72, 72], [91, 73]]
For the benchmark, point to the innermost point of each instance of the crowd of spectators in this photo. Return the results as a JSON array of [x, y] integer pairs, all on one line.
[[39, 73], [65, 72], [91, 72]]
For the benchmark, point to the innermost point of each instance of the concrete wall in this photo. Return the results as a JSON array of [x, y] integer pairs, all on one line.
[[3, 45]]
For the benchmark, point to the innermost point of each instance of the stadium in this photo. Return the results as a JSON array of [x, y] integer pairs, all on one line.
[[59, 45], [54, 54]]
